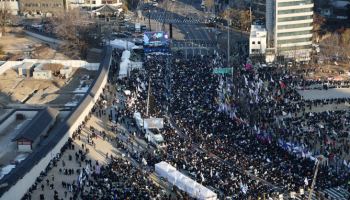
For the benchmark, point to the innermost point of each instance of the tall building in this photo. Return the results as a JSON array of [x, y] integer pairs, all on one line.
[[289, 24]]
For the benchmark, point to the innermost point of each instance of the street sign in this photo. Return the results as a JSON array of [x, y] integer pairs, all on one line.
[[222, 71]]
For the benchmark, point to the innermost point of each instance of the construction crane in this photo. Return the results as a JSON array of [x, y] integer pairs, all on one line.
[[318, 161]]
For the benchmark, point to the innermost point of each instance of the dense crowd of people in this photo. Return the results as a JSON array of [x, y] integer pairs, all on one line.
[[245, 135], [255, 125], [85, 178]]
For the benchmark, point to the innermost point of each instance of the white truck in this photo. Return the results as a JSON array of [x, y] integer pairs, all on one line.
[[155, 138], [138, 28], [138, 120]]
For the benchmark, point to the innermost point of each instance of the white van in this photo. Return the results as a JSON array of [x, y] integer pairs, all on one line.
[[155, 138]]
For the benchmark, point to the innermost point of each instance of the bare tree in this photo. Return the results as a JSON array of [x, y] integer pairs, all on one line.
[[330, 47], [5, 15], [345, 44], [209, 4], [318, 22], [240, 18], [70, 26]]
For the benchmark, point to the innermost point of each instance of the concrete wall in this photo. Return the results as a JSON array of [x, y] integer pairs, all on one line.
[[8, 65], [43, 38], [24, 148], [74, 120], [12, 118]]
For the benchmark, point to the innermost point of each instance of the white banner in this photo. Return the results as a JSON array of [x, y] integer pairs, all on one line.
[[153, 123]]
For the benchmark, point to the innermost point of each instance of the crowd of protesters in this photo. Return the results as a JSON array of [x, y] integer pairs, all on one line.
[[253, 126], [84, 178], [245, 135]]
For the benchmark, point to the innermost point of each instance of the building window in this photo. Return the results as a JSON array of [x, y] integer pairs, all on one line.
[[294, 11], [294, 33], [294, 26], [290, 41], [288, 19], [295, 48], [294, 3], [253, 42], [258, 42]]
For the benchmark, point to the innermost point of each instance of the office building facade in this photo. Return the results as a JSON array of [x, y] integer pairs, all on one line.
[[289, 24], [43, 6]]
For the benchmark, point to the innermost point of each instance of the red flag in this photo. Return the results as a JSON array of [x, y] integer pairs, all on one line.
[[282, 85]]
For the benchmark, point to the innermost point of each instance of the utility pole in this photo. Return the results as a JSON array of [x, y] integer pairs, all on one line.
[[149, 19], [228, 43], [314, 178], [165, 15], [250, 14], [148, 96]]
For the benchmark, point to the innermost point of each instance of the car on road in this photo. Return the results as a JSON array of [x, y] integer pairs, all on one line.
[[137, 41], [119, 35]]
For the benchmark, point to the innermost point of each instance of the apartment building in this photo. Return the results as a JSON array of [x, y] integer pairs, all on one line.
[[11, 5], [289, 24]]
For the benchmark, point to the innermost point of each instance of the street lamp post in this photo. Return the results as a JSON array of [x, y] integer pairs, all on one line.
[[228, 43], [149, 19]]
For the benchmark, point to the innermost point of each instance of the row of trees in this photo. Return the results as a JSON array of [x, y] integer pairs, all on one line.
[[5, 16], [77, 30], [240, 18], [336, 46]]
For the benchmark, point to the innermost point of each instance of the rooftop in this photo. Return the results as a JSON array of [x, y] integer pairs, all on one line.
[[258, 31], [31, 131]]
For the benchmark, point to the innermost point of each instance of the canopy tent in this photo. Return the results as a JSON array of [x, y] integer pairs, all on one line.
[[183, 182], [122, 44], [126, 65], [125, 55], [123, 69], [163, 168]]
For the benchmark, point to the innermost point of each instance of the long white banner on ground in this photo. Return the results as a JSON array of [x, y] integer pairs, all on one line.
[[184, 183]]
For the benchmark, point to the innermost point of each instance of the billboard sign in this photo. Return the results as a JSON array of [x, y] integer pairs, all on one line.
[[155, 39], [222, 71]]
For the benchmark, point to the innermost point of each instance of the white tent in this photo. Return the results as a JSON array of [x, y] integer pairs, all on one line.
[[183, 182], [125, 55], [205, 193], [122, 44], [123, 69], [161, 168]]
